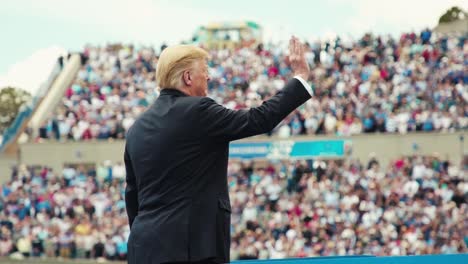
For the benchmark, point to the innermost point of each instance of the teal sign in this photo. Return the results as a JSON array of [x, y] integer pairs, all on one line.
[[329, 148], [288, 149]]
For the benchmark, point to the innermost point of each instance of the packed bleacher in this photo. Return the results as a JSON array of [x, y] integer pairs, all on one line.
[[416, 205], [375, 84]]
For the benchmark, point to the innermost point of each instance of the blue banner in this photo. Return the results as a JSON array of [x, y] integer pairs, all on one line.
[[249, 150], [329, 148], [288, 149]]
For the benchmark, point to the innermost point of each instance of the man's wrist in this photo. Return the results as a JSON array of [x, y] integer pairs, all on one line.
[[304, 76], [305, 84]]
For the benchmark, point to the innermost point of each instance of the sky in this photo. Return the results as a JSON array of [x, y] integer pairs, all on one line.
[[34, 32]]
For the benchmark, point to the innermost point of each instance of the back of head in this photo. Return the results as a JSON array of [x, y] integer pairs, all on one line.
[[173, 61]]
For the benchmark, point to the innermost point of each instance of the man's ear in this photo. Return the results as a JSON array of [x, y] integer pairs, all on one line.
[[187, 78]]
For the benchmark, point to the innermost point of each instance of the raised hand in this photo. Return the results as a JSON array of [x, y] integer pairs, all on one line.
[[297, 58]]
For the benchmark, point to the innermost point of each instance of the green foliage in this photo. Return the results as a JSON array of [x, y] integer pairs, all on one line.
[[11, 100], [453, 14]]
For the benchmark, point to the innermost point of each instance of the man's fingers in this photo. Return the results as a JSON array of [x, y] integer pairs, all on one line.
[[296, 49], [293, 48], [291, 44], [299, 46], [297, 57]]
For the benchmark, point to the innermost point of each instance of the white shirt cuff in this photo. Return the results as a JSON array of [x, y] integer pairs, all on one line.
[[306, 85]]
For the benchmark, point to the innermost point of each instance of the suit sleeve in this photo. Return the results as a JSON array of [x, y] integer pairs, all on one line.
[[220, 123], [131, 192]]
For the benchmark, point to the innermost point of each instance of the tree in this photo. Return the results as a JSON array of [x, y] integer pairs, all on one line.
[[11, 100], [453, 14]]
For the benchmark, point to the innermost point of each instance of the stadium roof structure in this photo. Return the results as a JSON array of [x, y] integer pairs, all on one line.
[[232, 25]]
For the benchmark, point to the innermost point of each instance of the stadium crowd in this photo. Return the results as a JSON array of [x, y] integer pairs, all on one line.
[[415, 205], [377, 84], [374, 84]]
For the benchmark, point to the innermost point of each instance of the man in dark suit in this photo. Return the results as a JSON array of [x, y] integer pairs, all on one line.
[[176, 158]]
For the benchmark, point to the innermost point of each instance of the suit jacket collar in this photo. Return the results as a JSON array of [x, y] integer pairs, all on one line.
[[172, 91]]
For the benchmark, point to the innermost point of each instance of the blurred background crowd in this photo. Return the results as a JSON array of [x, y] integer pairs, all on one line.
[[376, 84], [416, 205], [286, 208]]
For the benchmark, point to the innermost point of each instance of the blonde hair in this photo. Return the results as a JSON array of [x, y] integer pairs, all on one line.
[[173, 61]]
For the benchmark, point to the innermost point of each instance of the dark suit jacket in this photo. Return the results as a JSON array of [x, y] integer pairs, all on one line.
[[176, 158]]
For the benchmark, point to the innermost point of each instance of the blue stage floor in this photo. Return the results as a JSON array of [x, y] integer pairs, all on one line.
[[423, 259]]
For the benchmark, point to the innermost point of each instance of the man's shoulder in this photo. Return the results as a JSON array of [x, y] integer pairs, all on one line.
[[192, 99], [196, 101]]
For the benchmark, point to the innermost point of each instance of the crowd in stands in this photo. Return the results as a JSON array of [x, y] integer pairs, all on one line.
[[78, 212], [375, 84], [415, 205]]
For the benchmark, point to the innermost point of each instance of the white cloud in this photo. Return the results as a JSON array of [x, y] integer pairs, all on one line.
[[29, 73], [154, 21], [136, 20], [398, 16]]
